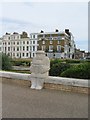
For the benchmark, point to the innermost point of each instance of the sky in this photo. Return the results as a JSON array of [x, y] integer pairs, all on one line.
[[47, 16]]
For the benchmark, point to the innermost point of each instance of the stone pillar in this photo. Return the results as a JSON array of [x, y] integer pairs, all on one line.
[[39, 70]]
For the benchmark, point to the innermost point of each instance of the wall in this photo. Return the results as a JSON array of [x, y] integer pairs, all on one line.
[[58, 83]]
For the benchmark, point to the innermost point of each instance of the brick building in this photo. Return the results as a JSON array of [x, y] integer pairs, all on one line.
[[55, 44]]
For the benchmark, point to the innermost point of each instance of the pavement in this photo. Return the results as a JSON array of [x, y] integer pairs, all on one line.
[[22, 102]]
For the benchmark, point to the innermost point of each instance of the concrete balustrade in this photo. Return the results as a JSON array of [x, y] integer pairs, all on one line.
[[50, 79]]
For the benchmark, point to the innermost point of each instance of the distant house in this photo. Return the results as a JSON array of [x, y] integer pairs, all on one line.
[[87, 55], [79, 54]]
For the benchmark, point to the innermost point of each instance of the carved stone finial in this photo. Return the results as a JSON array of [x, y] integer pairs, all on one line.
[[39, 67]]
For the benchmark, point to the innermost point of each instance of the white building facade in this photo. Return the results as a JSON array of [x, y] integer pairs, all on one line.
[[15, 45]]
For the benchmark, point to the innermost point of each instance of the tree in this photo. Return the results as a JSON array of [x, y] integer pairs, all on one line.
[[5, 63]]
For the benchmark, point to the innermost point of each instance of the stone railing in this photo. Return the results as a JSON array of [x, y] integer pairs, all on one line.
[[50, 79], [58, 83]]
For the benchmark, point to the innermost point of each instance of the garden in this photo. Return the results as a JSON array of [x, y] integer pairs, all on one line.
[[71, 68]]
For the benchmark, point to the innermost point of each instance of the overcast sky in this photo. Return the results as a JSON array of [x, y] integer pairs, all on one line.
[[47, 16]]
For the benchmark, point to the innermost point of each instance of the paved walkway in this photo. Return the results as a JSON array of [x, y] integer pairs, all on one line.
[[22, 102]]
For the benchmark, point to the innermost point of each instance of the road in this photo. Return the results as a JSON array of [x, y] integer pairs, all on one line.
[[22, 102]]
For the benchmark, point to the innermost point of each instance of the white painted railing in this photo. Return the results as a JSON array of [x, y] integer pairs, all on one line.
[[50, 79]]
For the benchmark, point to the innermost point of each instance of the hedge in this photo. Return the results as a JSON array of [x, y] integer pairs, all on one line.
[[21, 62], [81, 71], [58, 68], [54, 61], [72, 61]]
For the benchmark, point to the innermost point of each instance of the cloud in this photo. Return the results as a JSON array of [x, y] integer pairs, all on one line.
[[34, 16]]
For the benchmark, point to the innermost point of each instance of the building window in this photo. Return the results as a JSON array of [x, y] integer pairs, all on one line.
[[20, 48], [8, 43], [17, 48], [58, 48], [13, 54], [8, 54], [58, 41], [17, 37], [0, 48], [5, 48], [63, 38], [8, 48], [43, 42], [50, 48], [51, 41], [33, 42], [5, 43], [33, 54], [69, 49], [30, 48], [14, 43], [17, 43], [30, 42], [23, 54], [27, 42], [27, 48], [23, 48], [23, 42], [17, 54], [33, 36], [43, 48], [13, 48], [59, 37], [33, 48], [9, 38], [27, 54]]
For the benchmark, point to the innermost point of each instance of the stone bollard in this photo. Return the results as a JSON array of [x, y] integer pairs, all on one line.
[[39, 70]]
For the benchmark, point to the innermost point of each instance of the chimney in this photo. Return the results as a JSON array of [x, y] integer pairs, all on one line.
[[56, 30], [42, 31], [67, 31]]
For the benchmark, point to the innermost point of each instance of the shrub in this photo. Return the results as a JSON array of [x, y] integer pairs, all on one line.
[[53, 62], [72, 61], [58, 68], [21, 62], [81, 71], [6, 62]]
